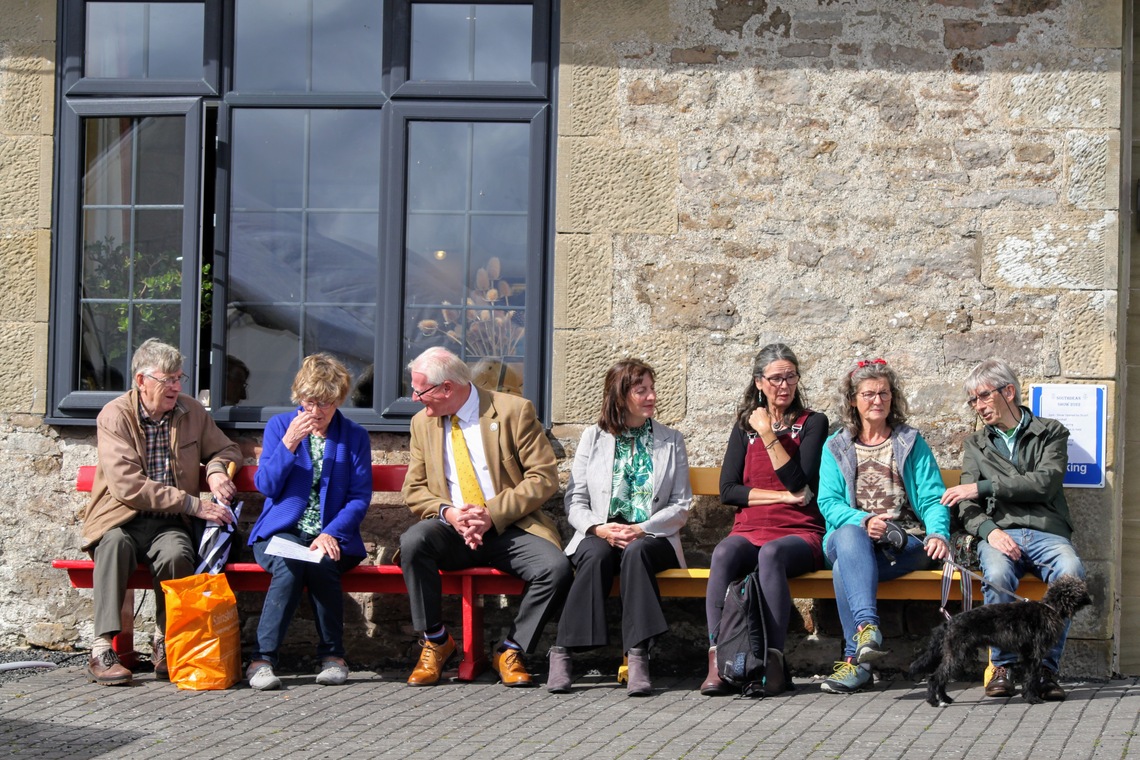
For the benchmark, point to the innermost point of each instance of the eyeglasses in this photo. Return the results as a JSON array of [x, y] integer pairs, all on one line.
[[419, 395], [872, 395], [169, 382], [983, 396], [778, 380], [314, 404]]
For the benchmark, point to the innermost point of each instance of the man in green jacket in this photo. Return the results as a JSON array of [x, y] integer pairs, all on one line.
[[1011, 497]]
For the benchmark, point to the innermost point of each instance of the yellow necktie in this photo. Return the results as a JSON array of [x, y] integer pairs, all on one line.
[[468, 482]]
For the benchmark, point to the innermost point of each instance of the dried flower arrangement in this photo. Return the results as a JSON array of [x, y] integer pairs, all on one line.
[[489, 329]]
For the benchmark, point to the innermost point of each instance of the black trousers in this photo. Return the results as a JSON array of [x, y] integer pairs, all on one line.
[[583, 622], [432, 545]]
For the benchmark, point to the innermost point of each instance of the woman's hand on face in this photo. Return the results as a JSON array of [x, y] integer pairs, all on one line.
[[760, 421], [299, 429], [326, 544]]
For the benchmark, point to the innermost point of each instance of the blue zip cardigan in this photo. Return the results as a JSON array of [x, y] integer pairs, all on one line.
[[921, 478], [286, 479]]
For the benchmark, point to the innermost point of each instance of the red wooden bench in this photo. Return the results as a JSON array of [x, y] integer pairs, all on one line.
[[472, 584]]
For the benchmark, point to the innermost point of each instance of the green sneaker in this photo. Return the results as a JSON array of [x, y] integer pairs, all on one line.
[[869, 644], [848, 678]]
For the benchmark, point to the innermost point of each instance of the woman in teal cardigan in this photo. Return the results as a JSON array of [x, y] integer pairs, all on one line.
[[876, 474]]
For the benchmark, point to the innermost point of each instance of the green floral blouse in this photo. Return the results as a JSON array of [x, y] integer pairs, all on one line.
[[633, 475]]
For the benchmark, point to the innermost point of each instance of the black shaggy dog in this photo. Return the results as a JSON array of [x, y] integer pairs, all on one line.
[[1028, 628]]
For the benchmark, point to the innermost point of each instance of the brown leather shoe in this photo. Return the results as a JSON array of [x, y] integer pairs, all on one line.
[[1000, 685], [106, 670], [714, 686], [161, 672], [509, 665], [433, 660]]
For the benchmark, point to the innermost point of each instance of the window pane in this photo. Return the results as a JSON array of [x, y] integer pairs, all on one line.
[[304, 241], [466, 267], [145, 40], [131, 241], [460, 42], [308, 46]]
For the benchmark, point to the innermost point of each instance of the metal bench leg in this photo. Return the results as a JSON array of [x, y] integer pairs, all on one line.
[[124, 641], [474, 652]]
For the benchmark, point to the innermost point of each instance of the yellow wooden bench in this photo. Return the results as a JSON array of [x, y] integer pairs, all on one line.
[[919, 585]]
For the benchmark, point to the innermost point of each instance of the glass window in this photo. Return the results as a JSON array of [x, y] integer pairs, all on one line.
[[467, 43], [303, 242], [132, 40], [466, 255], [308, 46], [132, 230], [258, 180]]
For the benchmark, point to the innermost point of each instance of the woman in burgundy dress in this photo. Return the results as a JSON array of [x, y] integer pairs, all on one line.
[[770, 474]]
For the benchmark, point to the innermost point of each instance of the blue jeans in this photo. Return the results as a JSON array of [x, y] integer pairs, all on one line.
[[290, 578], [857, 565], [1046, 555]]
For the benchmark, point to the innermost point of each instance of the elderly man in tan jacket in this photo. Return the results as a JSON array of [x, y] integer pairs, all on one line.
[[151, 441], [481, 469]]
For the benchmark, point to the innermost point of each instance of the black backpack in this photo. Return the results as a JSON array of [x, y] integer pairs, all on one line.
[[742, 642]]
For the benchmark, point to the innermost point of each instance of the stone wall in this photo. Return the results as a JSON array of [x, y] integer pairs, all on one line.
[[930, 182]]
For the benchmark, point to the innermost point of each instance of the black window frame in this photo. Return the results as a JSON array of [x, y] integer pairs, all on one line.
[[399, 102]]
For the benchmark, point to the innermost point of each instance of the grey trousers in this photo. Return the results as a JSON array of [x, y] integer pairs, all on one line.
[[162, 543], [431, 545]]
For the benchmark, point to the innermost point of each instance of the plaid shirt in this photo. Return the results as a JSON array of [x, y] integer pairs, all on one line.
[[157, 450]]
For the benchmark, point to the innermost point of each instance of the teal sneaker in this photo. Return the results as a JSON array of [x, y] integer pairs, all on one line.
[[848, 678], [869, 645]]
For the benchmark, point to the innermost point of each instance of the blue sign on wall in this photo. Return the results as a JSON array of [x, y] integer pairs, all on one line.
[[1080, 408]]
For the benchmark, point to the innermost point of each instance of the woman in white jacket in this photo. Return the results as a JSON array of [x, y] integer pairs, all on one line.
[[627, 500]]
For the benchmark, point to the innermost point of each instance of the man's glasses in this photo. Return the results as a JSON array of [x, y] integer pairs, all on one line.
[[778, 380], [178, 379], [419, 395], [983, 396]]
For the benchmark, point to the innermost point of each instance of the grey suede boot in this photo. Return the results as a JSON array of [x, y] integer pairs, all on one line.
[[558, 672], [639, 684]]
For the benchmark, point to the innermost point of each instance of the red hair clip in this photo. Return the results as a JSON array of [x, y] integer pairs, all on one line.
[[866, 363]]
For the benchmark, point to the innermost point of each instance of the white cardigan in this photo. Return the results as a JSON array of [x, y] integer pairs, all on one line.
[[591, 485]]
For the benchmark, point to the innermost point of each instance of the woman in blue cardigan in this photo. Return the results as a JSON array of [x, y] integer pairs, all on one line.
[[877, 474], [316, 474]]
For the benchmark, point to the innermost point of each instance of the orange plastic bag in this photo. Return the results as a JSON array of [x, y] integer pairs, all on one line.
[[203, 640]]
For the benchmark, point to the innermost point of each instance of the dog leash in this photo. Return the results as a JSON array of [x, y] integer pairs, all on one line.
[[966, 579]]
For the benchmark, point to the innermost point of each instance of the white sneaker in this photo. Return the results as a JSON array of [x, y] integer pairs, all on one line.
[[332, 673], [262, 678]]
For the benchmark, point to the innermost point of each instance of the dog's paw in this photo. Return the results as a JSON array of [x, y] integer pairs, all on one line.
[[1033, 699]]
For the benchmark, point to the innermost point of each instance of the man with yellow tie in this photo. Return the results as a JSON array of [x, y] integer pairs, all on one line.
[[481, 469]]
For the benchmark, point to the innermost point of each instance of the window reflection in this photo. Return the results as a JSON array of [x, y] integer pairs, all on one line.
[[465, 43], [145, 40], [303, 242], [308, 46], [467, 223], [131, 273]]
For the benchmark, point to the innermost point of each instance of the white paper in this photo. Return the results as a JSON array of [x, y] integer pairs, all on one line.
[[279, 547]]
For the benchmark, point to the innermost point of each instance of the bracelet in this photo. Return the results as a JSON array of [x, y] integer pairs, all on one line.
[[769, 446]]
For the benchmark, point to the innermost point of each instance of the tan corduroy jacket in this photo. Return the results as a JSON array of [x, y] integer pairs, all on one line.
[[522, 463], [122, 488]]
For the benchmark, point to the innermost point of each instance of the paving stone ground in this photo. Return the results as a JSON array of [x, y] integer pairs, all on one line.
[[57, 714]]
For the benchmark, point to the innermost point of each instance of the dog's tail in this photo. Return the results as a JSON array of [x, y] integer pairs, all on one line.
[[929, 660]]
